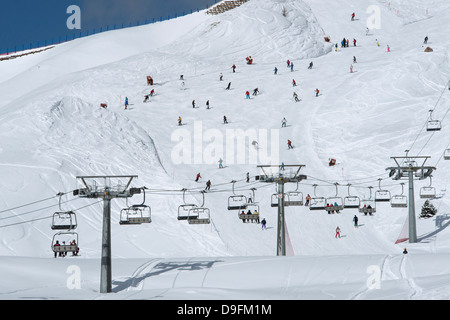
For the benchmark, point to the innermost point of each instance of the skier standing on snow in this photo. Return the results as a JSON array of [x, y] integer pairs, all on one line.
[[295, 97], [290, 144], [126, 103], [208, 185], [283, 122], [308, 198], [355, 220], [228, 87], [179, 121], [220, 163], [197, 177], [275, 70], [263, 224], [225, 121], [425, 41], [288, 63], [292, 66], [247, 95], [294, 83], [310, 65], [255, 91], [193, 103], [317, 92], [221, 77], [338, 232], [234, 68], [207, 104]]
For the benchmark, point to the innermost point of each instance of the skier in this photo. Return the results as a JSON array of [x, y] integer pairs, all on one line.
[[179, 121], [282, 166], [126, 103], [152, 93], [275, 70], [310, 65], [288, 63], [425, 41], [193, 103], [351, 68], [247, 95], [353, 16], [354, 59], [292, 66], [283, 123], [335, 47], [354, 42], [405, 251], [146, 97], [247, 176], [225, 121], [255, 91], [228, 87], [220, 163], [294, 83], [197, 177], [263, 224], [234, 68], [221, 77], [338, 232], [355, 220], [207, 104], [308, 198], [103, 105], [378, 44], [290, 144], [317, 92], [295, 97], [208, 185], [388, 48]]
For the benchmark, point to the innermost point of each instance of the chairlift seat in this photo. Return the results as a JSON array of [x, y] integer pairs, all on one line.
[[317, 203], [427, 192], [399, 201], [434, 125], [447, 154], [246, 217], [382, 196], [294, 198], [351, 202], [64, 221], [183, 211], [199, 215], [238, 202]]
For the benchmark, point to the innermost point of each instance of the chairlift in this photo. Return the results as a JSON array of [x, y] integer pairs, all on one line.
[[351, 201], [447, 154], [293, 198], [199, 215], [433, 125], [236, 202], [252, 213], [183, 210], [317, 203], [65, 241], [428, 192], [399, 201], [382, 195], [63, 220], [136, 214], [334, 203], [367, 206]]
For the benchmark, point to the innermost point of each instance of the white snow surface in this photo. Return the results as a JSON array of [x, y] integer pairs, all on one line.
[[53, 129]]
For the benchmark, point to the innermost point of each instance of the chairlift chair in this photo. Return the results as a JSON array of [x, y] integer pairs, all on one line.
[[382, 195], [433, 125], [136, 214], [447, 154], [64, 220], [65, 241], [200, 214], [351, 201], [335, 203], [399, 201], [236, 202], [293, 198], [253, 216], [428, 192], [367, 205], [183, 210], [317, 203]]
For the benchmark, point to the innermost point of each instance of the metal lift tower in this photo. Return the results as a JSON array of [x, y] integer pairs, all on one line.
[[281, 175], [106, 188]]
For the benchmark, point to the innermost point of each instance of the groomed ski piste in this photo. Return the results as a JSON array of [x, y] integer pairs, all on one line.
[[53, 130]]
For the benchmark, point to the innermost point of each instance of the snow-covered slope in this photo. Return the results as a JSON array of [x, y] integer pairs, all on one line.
[[53, 129]]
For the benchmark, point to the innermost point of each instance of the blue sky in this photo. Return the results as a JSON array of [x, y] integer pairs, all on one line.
[[26, 22]]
